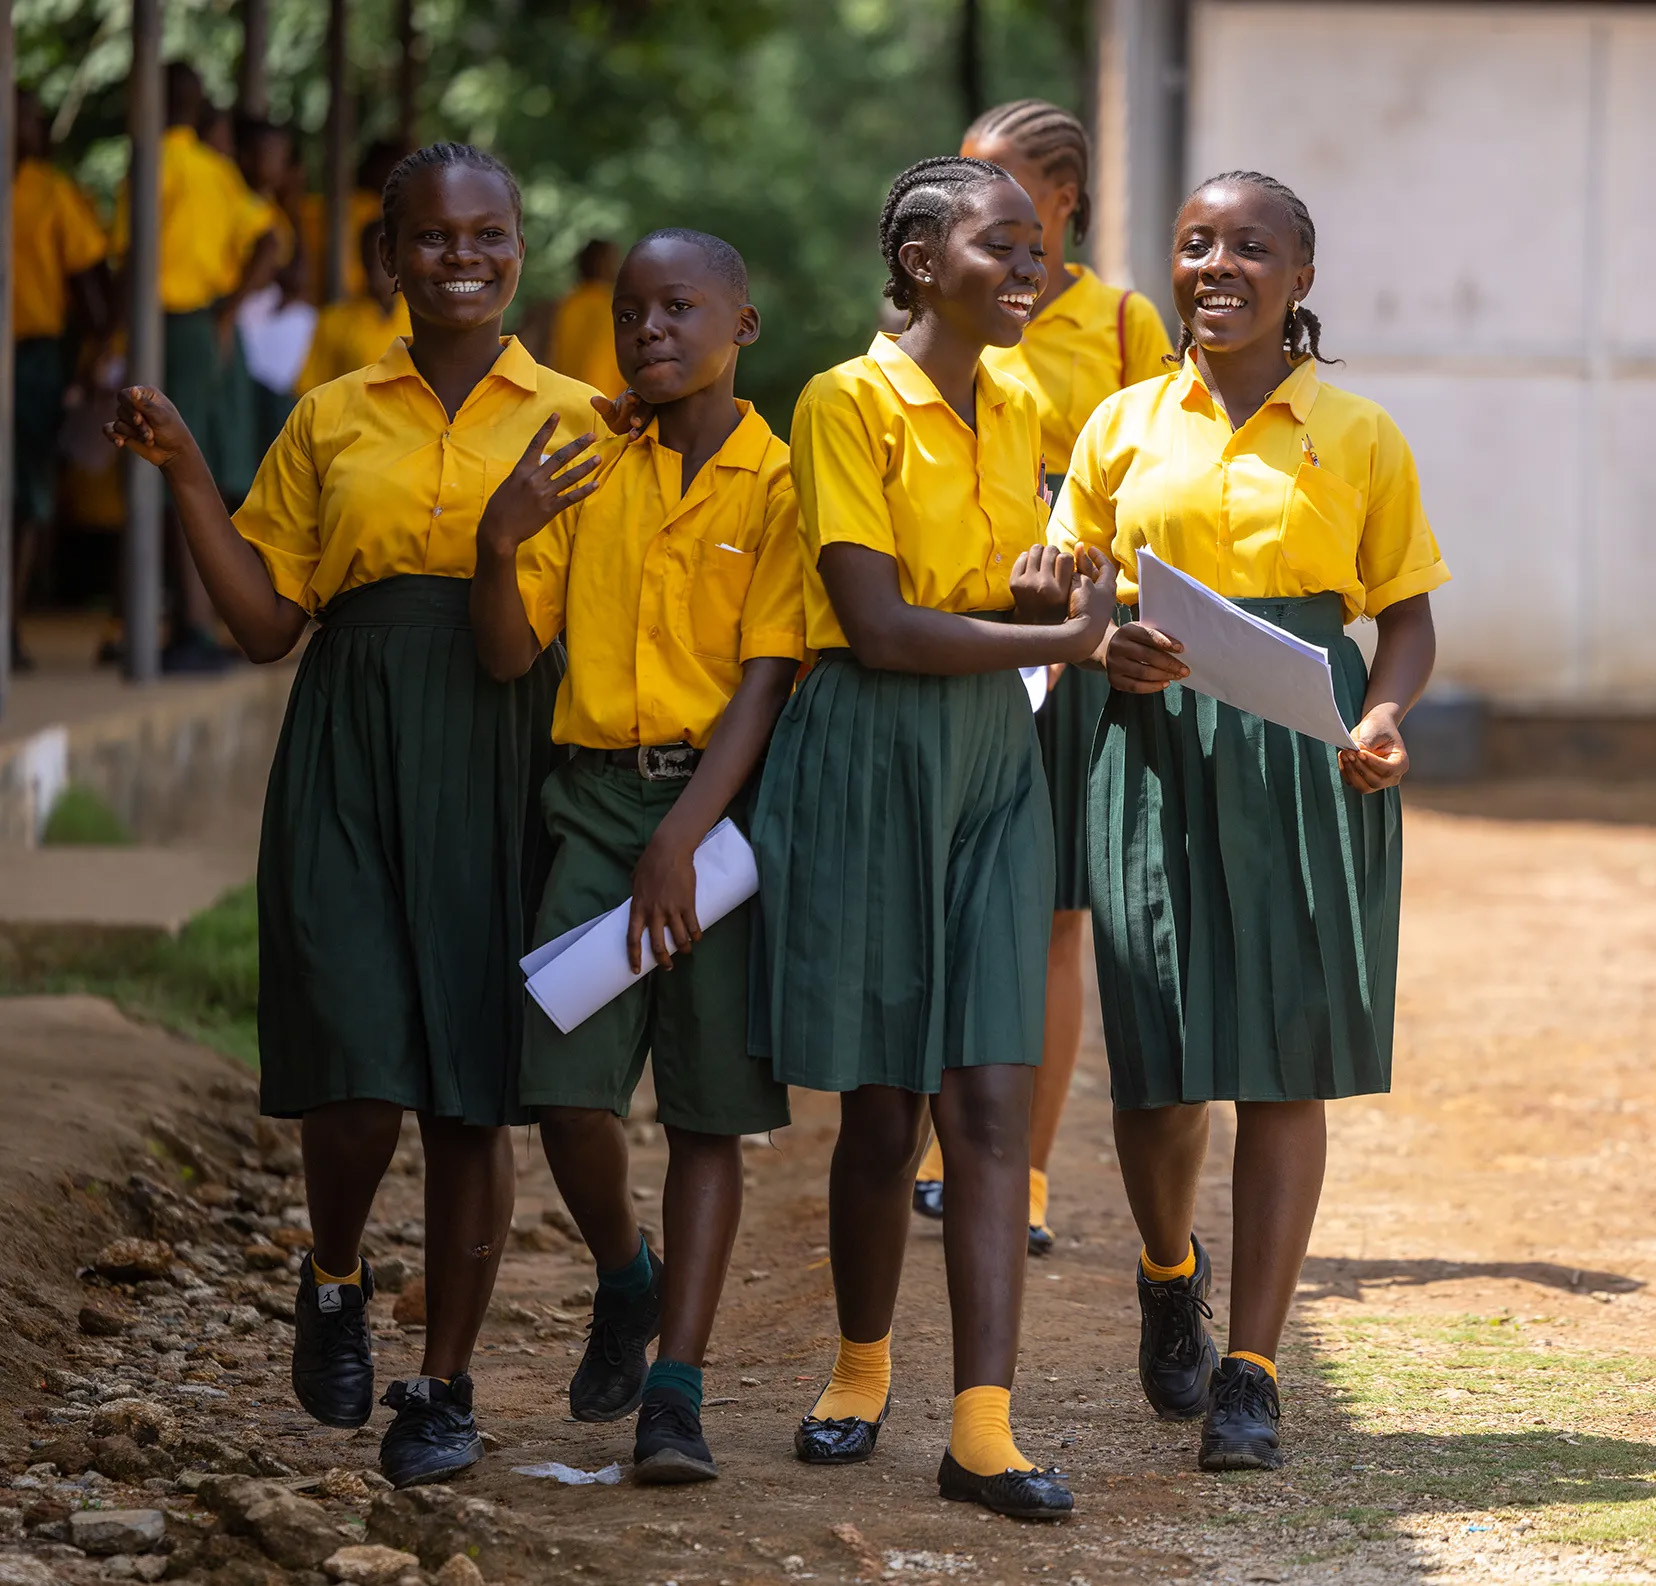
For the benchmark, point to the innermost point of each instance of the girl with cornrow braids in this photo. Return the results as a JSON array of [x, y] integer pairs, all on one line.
[[902, 830], [1085, 341], [1245, 878], [398, 862]]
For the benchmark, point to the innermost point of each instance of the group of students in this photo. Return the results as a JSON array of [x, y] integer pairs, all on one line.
[[552, 656]]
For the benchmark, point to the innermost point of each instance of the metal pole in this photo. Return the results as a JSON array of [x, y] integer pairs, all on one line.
[[339, 149], [253, 89], [408, 77], [144, 328], [8, 400]]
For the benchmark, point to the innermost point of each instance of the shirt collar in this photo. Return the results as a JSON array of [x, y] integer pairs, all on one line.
[[744, 447], [914, 385], [514, 365], [1298, 393]]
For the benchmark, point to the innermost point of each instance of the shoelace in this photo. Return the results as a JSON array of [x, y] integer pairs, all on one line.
[[1179, 1327], [1243, 1391], [680, 1420], [605, 1332]]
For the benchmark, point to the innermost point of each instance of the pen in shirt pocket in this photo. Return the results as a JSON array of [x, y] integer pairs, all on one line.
[[1310, 451]]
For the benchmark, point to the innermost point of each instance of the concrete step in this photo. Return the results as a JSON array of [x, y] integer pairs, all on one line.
[[121, 889]]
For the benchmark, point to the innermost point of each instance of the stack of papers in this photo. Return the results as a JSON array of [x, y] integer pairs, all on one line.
[[1239, 658]]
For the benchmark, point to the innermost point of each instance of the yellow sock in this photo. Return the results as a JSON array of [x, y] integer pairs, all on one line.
[[1167, 1274], [1258, 1360], [1037, 1198], [980, 1437], [860, 1382], [931, 1170], [323, 1277]]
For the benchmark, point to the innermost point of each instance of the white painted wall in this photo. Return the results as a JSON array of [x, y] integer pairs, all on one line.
[[1483, 181]]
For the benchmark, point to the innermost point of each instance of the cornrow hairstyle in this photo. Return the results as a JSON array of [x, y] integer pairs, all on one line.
[[922, 206], [1301, 330], [722, 259], [431, 157], [1050, 137]]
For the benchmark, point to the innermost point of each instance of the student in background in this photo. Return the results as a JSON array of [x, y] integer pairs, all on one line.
[[583, 332], [58, 280], [362, 206], [355, 332]]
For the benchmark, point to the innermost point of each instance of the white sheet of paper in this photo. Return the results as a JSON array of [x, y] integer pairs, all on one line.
[[1035, 684], [1240, 658], [574, 975], [275, 338]]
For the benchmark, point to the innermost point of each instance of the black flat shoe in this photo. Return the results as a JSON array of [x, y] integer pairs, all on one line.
[[1240, 1432], [928, 1197], [847, 1441], [1177, 1357], [434, 1436], [333, 1349], [1040, 1240], [1022, 1494], [608, 1385], [670, 1448]]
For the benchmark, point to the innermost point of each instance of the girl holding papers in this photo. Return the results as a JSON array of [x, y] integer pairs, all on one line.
[[1245, 878]]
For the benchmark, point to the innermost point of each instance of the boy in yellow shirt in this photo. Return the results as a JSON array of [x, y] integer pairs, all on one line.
[[357, 331], [679, 588]]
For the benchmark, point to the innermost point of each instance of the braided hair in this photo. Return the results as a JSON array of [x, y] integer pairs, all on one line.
[[432, 157], [923, 206], [1049, 137], [1301, 330]]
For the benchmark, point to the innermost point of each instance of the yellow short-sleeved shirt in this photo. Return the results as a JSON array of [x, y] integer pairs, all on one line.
[[364, 205], [662, 595], [350, 334], [370, 477], [880, 459], [1084, 346], [1316, 492], [583, 337], [55, 235]]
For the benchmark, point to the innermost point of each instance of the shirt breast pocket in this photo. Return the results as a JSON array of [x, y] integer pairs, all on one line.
[[720, 576], [1323, 528]]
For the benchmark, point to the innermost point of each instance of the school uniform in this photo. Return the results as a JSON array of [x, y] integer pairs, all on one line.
[[351, 334], [1245, 900], [903, 831], [1080, 349], [662, 595], [400, 858], [54, 235], [362, 205]]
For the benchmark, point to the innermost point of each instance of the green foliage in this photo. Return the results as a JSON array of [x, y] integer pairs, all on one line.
[[81, 816]]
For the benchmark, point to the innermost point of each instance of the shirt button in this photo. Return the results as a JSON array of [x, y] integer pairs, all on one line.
[[655, 633], [436, 512], [446, 434], [997, 558]]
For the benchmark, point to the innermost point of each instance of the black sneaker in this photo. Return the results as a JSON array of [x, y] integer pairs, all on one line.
[[1240, 1432], [928, 1197], [434, 1436], [670, 1447], [1022, 1494], [609, 1382], [1177, 1357], [333, 1350]]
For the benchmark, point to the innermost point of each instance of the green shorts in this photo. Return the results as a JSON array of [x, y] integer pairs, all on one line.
[[691, 1022]]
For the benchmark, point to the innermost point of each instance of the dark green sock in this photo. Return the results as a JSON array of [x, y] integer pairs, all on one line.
[[679, 1377], [633, 1280]]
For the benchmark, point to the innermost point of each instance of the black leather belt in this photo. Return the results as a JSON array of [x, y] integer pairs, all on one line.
[[655, 762]]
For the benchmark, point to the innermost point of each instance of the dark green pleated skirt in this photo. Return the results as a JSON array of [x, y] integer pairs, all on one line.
[[1245, 900], [401, 862], [38, 378], [1065, 725], [905, 873]]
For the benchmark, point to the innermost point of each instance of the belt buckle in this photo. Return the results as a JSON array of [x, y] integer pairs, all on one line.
[[666, 762]]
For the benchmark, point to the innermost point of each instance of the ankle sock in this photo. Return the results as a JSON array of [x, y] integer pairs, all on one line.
[[980, 1437], [633, 1280], [1037, 1198], [1156, 1274], [931, 1166], [1258, 1360], [327, 1277], [860, 1382], [679, 1377]]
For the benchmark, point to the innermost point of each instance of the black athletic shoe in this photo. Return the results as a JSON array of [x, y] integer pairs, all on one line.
[[1022, 1494], [1040, 1239], [928, 1197], [333, 1350], [1240, 1432], [434, 1436], [670, 1447], [1177, 1357], [846, 1441], [609, 1382]]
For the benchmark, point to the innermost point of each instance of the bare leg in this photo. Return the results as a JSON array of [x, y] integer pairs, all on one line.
[[1161, 1150], [347, 1146], [701, 1207], [1061, 1045], [586, 1148]]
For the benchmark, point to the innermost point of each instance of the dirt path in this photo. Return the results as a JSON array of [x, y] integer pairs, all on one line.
[[1470, 1391]]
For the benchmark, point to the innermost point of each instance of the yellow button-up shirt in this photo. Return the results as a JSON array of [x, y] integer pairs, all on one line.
[[1084, 346], [880, 459], [55, 235], [350, 334], [662, 593], [370, 477], [1316, 492], [583, 337]]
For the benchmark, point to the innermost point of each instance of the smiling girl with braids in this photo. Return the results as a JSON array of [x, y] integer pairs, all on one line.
[[903, 835], [1245, 879], [1085, 341], [395, 873]]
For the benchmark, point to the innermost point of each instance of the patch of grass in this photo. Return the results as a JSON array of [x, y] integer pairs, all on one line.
[[81, 815], [203, 983]]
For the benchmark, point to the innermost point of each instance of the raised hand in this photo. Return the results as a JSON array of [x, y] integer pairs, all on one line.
[[536, 491], [628, 414], [148, 424]]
